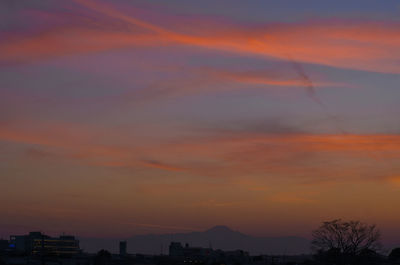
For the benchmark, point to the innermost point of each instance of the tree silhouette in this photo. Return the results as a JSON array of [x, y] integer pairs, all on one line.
[[339, 241], [103, 257], [395, 254]]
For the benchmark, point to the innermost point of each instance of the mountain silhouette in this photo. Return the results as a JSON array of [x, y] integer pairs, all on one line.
[[218, 237], [220, 229]]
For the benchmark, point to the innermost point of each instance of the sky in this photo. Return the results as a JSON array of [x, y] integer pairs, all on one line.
[[120, 118]]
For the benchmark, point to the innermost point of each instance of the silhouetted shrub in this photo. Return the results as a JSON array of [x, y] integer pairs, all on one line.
[[103, 257], [394, 254]]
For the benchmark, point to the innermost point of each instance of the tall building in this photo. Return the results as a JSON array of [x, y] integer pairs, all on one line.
[[122, 248], [37, 243], [4, 244]]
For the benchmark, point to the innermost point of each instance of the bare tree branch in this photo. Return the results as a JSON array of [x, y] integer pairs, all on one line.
[[350, 238]]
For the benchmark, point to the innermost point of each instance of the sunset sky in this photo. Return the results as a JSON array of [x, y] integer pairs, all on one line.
[[132, 117]]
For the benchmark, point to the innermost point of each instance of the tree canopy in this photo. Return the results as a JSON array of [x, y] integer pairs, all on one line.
[[346, 237], [395, 254]]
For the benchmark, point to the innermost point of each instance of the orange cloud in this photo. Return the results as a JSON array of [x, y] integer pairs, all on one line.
[[394, 180], [370, 46], [295, 157], [316, 142], [262, 77], [228, 175], [312, 43], [226, 155], [75, 144], [68, 41]]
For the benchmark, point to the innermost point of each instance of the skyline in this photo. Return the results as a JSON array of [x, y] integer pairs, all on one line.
[[135, 117], [216, 236]]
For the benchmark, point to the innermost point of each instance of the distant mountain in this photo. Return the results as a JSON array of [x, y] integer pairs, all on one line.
[[218, 237]]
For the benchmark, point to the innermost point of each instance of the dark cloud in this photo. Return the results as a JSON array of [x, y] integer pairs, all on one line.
[[266, 126], [38, 153]]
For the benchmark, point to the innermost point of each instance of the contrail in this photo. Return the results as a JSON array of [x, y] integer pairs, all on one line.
[[309, 85], [312, 94]]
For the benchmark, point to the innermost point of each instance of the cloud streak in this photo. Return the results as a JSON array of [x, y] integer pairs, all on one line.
[[224, 154], [369, 46]]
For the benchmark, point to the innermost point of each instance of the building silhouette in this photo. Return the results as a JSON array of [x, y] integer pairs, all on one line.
[[36, 243], [4, 244], [188, 253], [122, 248]]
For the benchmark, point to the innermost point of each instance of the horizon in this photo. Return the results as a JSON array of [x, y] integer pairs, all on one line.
[[149, 243], [177, 231], [138, 117], [208, 237]]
